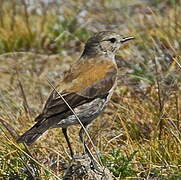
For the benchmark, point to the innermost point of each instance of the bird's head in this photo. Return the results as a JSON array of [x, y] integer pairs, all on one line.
[[104, 43]]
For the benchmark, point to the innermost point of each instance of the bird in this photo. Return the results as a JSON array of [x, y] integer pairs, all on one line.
[[87, 88]]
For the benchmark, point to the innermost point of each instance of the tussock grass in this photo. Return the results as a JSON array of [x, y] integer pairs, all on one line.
[[138, 135]]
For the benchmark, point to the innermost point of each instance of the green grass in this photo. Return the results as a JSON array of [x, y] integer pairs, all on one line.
[[139, 133], [119, 164]]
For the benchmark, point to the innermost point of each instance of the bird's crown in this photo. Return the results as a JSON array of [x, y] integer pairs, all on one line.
[[104, 42]]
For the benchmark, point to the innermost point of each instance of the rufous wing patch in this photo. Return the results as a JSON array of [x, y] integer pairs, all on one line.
[[86, 74]]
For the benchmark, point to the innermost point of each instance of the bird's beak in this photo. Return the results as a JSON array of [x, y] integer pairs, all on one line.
[[126, 39]]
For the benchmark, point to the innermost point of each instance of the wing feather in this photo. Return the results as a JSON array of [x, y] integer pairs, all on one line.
[[83, 83]]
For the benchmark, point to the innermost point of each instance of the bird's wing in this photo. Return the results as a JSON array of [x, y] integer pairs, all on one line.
[[84, 82]]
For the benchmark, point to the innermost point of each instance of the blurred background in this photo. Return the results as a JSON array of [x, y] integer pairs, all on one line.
[[138, 136]]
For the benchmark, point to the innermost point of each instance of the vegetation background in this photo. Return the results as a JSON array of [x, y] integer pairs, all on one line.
[[138, 136]]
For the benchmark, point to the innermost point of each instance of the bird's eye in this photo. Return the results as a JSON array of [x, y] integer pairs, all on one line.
[[113, 40]]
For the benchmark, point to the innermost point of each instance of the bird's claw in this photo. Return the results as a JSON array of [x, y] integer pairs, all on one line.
[[95, 168]]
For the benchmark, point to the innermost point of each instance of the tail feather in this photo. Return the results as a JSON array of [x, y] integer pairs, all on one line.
[[32, 134]]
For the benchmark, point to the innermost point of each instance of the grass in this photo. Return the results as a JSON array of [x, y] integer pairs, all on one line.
[[139, 133]]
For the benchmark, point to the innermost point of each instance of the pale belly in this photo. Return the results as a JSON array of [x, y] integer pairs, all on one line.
[[86, 113]]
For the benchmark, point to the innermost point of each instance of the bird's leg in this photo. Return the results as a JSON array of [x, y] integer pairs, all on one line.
[[81, 136], [93, 162], [64, 130]]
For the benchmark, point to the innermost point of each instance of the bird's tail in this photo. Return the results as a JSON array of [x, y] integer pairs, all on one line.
[[32, 134]]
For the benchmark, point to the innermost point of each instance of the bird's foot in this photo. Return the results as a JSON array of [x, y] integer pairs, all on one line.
[[78, 156], [94, 166]]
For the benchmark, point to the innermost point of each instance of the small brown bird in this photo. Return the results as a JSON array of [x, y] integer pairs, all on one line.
[[87, 88]]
